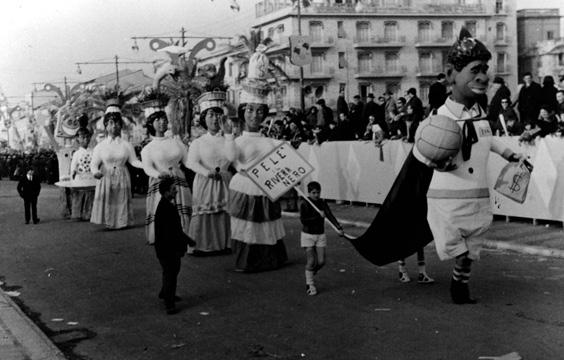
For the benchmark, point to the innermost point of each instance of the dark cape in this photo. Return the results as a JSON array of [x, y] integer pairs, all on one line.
[[400, 228]]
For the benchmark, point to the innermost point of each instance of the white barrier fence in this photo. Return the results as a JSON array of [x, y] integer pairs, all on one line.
[[361, 172]]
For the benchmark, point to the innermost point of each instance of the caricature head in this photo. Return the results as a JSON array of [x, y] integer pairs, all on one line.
[[83, 137], [467, 67]]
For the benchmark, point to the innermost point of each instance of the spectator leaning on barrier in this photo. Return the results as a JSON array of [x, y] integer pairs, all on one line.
[[356, 110], [415, 103], [495, 108], [529, 101], [389, 107], [549, 92], [437, 93], [371, 108], [514, 127]]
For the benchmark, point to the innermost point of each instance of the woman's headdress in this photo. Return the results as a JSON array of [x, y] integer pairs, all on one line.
[[152, 101], [256, 86]]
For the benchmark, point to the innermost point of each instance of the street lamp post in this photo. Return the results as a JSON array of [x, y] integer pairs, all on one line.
[[116, 62]]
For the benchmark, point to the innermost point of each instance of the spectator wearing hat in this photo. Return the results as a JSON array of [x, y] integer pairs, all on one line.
[[371, 108], [161, 159], [342, 106], [356, 112], [437, 93], [512, 123], [495, 108], [210, 227]]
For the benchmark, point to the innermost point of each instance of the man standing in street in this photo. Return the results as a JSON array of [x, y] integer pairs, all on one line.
[[530, 100], [415, 103], [390, 107], [437, 93], [29, 188]]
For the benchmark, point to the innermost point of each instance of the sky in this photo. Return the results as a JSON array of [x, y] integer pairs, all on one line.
[[41, 41]]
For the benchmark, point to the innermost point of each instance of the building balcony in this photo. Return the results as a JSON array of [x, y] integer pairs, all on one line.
[[428, 71], [503, 41], [378, 42], [325, 73], [323, 42], [423, 41], [381, 72], [266, 7], [502, 70]]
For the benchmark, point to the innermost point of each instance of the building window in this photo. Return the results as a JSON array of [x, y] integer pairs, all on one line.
[[316, 63], [390, 3], [498, 6], [391, 61], [447, 30], [424, 92], [390, 31], [280, 29], [500, 62], [424, 31], [471, 27], [342, 60], [363, 31], [550, 35], [316, 31], [364, 60], [270, 32], [561, 59], [426, 62], [342, 88], [500, 31], [444, 55], [340, 30], [230, 69]]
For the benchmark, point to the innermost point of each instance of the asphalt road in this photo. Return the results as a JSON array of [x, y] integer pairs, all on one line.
[[105, 283]]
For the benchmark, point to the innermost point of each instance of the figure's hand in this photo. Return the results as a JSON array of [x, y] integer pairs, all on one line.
[[98, 175], [515, 157], [211, 174], [341, 232], [444, 166]]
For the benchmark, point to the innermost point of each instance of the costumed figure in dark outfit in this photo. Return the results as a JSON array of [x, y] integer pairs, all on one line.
[[171, 242], [450, 205]]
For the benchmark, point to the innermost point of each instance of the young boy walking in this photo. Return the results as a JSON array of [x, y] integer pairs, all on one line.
[[313, 233], [170, 243], [82, 199]]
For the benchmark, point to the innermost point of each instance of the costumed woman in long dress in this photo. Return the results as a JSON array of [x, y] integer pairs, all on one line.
[[161, 158], [112, 197], [256, 225], [210, 226]]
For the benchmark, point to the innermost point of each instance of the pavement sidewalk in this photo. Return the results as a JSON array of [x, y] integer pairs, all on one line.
[[20, 338]]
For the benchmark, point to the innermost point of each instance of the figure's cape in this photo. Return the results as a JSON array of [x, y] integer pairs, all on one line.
[[400, 228]]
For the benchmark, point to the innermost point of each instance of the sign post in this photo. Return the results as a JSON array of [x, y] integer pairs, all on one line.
[[280, 170]]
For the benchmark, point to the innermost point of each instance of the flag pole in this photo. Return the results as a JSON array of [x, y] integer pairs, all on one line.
[[302, 194]]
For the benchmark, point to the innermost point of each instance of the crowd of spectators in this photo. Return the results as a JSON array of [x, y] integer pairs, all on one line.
[[532, 111], [15, 163]]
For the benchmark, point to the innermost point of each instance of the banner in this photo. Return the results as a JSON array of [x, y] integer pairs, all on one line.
[[279, 171], [300, 50]]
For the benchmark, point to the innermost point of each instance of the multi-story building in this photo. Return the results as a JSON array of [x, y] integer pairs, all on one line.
[[371, 46], [540, 46]]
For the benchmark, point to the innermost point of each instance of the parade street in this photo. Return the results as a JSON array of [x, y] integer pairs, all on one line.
[[94, 293]]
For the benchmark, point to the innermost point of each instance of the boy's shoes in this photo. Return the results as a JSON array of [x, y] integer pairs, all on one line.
[[460, 293], [424, 279], [35, 221], [311, 290], [404, 277], [172, 310], [176, 298], [27, 222]]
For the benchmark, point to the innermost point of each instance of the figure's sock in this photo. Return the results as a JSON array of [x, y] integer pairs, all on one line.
[[309, 277]]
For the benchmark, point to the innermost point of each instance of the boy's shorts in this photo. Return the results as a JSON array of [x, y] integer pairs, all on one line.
[[313, 240]]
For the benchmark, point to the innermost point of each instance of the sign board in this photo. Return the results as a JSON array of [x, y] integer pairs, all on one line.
[[279, 171], [300, 50]]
